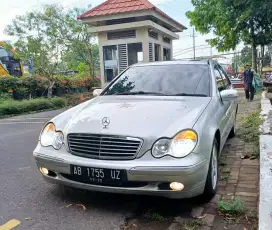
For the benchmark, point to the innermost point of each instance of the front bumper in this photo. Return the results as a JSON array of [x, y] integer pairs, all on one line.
[[146, 178]]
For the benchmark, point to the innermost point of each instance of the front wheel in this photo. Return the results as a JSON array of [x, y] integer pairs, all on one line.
[[212, 177]]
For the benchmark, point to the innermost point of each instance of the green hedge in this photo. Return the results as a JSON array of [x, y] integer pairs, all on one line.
[[30, 84], [10, 107]]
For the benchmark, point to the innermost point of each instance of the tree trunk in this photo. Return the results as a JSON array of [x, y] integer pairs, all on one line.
[[50, 89], [254, 57]]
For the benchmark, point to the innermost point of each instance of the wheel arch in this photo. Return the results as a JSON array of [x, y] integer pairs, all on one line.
[[217, 136]]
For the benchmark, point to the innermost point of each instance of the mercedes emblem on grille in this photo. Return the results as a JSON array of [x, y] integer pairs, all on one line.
[[105, 122]]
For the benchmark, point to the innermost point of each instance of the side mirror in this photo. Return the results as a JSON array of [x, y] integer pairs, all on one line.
[[97, 92], [229, 94]]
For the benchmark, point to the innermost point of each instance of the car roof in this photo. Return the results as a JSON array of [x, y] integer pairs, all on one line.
[[176, 62]]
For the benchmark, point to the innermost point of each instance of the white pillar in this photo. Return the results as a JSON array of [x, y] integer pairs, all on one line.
[[101, 58], [143, 36]]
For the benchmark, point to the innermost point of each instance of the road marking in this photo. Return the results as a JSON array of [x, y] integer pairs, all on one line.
[[10, 225]]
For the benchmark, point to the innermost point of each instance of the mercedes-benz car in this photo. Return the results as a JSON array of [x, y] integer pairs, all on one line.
[[156, 129]]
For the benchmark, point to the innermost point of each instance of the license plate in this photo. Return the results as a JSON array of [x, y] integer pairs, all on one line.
[[98, 175]]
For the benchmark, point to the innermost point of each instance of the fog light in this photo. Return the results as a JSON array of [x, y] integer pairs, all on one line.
[[177, 186], [44, 171]]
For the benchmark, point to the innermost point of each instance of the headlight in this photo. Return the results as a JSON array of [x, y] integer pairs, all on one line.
[[180, 146], [50, 137]]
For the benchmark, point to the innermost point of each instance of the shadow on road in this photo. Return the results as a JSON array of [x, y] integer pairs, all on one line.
[[147, 208]]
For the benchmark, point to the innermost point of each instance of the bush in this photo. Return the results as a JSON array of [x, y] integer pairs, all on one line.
[[8, 83], [24, 86], [10, 107], [74, 99]]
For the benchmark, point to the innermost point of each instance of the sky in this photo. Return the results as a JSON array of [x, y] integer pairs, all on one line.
[[175, 8]]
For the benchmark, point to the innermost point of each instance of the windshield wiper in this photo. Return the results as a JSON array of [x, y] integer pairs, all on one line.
[[141, 93], [161, 94], [189, 95]]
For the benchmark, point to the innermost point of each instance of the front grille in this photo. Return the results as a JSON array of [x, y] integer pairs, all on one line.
[[104, 146]]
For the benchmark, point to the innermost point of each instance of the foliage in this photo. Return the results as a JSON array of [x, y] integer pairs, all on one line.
[[267, 60], [8, 83], [55, 40], [233, 21], [250, 128], [10, 107], [152, 215], [192, 224], [243, 58], [37, 82], [74, 99], [233, 207]]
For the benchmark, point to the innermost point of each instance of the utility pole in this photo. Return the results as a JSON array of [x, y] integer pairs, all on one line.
[[194, 42]]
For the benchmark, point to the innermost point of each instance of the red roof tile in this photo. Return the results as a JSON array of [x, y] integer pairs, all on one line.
[[122, 6]]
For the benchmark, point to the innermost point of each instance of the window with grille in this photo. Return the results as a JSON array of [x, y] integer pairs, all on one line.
[[123, 57], [151, 52], [121, 34], [153, 34], [167, 40]]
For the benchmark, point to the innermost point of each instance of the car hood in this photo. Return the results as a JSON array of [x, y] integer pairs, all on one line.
[[135, 116]]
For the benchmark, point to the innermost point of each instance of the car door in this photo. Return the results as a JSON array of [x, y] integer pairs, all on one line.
[[222, 106], [231, 112]]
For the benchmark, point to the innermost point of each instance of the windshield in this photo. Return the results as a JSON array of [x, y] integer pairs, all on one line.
[[168, 80]]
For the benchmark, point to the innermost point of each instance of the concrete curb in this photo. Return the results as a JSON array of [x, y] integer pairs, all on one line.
[[265, 199]]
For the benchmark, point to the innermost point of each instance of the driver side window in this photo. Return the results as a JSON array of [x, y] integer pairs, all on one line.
[[225, 77], [220, 83]]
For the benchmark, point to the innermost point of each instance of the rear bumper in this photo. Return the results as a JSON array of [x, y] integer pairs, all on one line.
[[193, 177]]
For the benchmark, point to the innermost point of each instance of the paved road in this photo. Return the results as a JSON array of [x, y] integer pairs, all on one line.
[[24, 193]]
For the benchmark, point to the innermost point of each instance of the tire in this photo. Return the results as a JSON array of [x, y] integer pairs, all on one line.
[[232, 133], [213, 173]]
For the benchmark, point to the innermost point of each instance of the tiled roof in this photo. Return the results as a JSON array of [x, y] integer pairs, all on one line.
[[122, 6]]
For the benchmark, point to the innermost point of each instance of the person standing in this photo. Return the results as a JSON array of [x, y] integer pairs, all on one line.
[[248, 79]]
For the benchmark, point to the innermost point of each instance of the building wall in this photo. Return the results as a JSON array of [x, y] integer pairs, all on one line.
[[141, 36], [163, 44]]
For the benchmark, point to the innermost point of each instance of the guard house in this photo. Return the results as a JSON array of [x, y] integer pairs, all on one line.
[[129, 32]]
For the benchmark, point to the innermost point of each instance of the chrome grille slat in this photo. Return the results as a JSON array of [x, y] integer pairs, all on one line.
[[101, 149], [85, 147], [108, 143], [104, 146], [82, 150], [103, 137]]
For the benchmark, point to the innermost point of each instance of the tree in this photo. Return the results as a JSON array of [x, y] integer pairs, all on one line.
[[49, 37], [242, 58], [81, 47], [267, 59], [232, 22]]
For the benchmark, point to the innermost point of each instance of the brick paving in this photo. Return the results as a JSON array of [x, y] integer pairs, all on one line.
[[239, 179]]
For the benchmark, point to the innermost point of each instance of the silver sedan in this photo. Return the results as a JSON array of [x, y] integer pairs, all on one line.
[[156, 129]]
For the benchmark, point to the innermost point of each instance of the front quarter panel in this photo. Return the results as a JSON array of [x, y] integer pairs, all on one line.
[[206, 127]]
